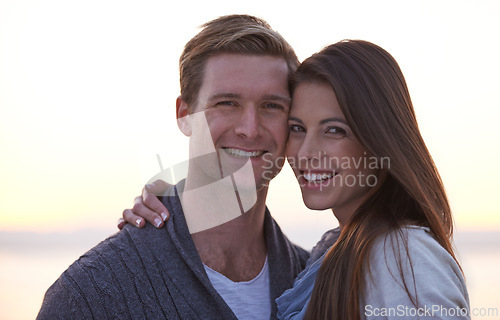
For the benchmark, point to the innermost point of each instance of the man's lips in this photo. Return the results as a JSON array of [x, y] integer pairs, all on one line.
[[242, 153]]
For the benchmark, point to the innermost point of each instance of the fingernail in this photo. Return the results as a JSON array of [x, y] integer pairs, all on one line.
[[149, 186], [157, 222], [164, 216], [138, 222]]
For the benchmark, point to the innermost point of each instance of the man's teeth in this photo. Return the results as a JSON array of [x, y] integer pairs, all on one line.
[[242, 153], [317, 176]]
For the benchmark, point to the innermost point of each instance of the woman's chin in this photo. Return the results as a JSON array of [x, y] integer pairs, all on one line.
[[315, 205]]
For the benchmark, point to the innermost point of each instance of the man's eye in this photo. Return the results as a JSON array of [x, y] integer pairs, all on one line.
[[273, 106], [296, 128], [226, 103]]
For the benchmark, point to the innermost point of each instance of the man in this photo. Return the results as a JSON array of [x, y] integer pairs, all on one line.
[[221, 255]]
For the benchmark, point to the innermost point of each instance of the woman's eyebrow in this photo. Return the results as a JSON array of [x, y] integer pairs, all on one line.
[[322, 121], [334, 120], [295, 119]]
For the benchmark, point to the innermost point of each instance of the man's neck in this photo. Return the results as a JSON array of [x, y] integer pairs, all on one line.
[[237, 248]]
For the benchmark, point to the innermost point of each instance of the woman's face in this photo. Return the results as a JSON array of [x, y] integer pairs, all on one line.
[[333, 168]]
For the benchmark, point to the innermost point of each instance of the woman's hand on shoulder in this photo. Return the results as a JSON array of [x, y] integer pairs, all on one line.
[[147, 207]]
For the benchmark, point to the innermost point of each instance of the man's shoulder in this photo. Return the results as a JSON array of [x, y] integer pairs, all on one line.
[[94, 278], [123, 275], [122, 256], [116, 254]]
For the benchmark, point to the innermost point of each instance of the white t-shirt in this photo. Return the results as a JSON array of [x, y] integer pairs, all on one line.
[[247, 299]]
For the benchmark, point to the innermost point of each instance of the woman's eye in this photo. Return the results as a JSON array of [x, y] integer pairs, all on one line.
[[296, 128], [336, 130]]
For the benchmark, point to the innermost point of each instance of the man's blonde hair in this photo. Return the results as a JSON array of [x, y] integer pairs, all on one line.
[[241, 34]]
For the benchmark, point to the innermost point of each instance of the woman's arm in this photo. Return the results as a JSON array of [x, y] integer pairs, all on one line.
[[427, 283]]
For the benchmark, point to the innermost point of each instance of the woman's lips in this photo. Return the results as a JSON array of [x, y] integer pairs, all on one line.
[[315, 179]]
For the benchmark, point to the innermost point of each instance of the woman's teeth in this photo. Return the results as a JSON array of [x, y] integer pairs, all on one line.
[[243, 154], [316, 177]]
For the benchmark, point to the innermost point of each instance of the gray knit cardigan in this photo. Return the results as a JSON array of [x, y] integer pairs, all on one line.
[[154, 273]]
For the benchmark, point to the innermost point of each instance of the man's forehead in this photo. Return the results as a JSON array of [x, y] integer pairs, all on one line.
[[238, 73], [246, 64]]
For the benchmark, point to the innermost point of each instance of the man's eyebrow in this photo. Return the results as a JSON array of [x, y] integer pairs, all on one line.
[[278, 97], [225, 95], [272, 97]]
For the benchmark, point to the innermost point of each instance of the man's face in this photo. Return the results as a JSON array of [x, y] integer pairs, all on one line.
[[246, 102]]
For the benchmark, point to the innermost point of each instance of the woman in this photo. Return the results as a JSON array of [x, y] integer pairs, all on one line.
[[355, 148], [351, 103]]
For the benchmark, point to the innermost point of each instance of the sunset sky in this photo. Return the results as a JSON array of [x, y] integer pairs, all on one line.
[[88, 88]]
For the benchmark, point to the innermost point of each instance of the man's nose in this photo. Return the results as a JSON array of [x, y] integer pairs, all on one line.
[[249, 123]]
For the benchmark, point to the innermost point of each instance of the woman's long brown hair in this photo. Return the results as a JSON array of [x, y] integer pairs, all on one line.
[[374, 98]]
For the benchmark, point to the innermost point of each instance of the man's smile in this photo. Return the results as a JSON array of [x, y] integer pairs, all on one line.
[[239, 153]]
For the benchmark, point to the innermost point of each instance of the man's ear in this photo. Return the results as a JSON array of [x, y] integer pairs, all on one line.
[[182, 113]]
